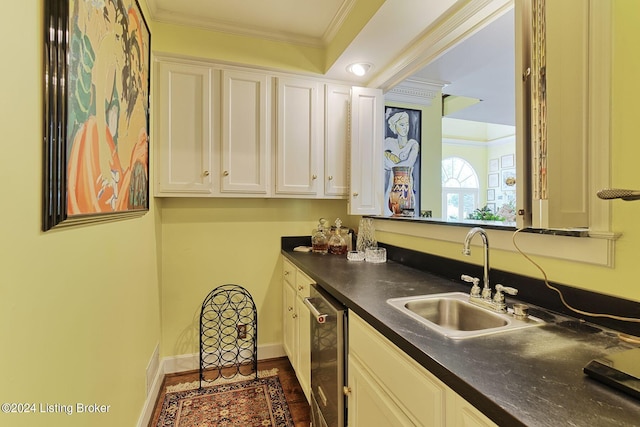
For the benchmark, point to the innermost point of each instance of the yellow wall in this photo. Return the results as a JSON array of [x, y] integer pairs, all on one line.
[[79, 307], [212, 242]]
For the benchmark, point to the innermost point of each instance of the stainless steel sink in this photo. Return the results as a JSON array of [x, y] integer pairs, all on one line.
[[452, 315]]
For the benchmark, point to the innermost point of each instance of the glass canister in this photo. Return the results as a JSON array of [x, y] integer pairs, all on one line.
[[366, 235], [319, 239], [338, 239]]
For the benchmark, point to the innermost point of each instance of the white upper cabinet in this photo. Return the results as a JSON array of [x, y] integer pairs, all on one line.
[[367, 115], [298, 139], [221, 133], [336, 136], [183, 161], [245, 150]]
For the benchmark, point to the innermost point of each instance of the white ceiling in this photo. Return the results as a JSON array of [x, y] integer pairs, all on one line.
[[475, 69], [481, 67]]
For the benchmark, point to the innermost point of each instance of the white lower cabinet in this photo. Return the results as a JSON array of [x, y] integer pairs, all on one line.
[[296, 321], [388, 388], [461, 413]]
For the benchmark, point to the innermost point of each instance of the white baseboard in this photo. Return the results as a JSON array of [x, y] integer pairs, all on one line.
[[189, 362], [150, 402]]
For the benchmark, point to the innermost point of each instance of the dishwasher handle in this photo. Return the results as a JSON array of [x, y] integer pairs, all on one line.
[[320, 318]]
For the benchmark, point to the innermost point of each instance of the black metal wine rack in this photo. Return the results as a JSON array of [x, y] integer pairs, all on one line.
[[228, 334]]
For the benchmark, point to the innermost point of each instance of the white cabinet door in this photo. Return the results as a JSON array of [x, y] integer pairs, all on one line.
[[406, 391], [186, 103], [298, 148], [245, 148], [336, 137], [296, 323], [289, 322], [367, 116], [303, 371], [461, 413], [369, 405]]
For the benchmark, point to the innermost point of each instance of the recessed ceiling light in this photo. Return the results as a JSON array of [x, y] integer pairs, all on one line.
[[359, 68]]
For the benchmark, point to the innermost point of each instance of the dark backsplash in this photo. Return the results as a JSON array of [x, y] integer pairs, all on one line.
[[531, 290]]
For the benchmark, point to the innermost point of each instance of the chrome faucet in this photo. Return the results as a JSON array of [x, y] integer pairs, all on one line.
[[466, 249], [484, 299]]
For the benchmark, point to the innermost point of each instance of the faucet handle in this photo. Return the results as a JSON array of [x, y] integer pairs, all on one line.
[[506, 289], [475, 289], [499, 296], [470, 279]]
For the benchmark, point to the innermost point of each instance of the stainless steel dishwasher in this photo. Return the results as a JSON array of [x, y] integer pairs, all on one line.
[[328, 359]]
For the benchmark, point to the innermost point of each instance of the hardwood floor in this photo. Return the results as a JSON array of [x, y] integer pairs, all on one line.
[[298, 405]]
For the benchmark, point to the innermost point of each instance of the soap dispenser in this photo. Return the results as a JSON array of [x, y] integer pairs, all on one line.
[[337, 241], [319, 240]]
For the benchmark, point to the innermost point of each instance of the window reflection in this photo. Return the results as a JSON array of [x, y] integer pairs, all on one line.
[[460, 188]]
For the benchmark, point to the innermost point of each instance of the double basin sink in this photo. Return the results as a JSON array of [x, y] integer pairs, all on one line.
[[452, 315]]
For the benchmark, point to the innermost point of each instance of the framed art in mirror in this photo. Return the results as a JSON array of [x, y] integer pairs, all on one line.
[[402, 145], [96, 112]]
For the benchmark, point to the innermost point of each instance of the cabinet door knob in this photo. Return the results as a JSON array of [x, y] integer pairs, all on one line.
[[225, 173], [314, 176], [290, 308], [294, 316], [330, 177], [205, 173], [300, 287], [346, 390], [355, 194], [286, 272]]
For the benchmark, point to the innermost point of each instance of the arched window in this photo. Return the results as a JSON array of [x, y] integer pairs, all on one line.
[[460, 188]]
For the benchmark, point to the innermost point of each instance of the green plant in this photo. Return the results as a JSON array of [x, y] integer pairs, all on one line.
[[485, 214]]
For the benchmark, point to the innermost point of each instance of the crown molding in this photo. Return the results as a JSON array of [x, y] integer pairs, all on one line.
[[414, 91], [172, 17]]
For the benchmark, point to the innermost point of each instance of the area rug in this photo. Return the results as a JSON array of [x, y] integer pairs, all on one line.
[[248, 403]]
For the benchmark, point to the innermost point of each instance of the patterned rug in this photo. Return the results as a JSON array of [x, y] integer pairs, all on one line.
[[248, 403]]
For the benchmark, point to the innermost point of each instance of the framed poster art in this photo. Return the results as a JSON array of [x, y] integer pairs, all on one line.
[[506, 161], [96, 112], [508, 179], [402, 144], [491, 195], [494, 165], [494, 180]]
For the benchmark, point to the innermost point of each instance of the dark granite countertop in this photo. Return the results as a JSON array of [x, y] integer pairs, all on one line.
[[530, 377]]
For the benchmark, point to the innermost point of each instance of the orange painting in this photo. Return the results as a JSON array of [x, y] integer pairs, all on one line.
[[103, 143]]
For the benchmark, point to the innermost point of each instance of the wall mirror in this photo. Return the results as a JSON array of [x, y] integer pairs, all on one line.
[[492, 117], [466, 166]]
